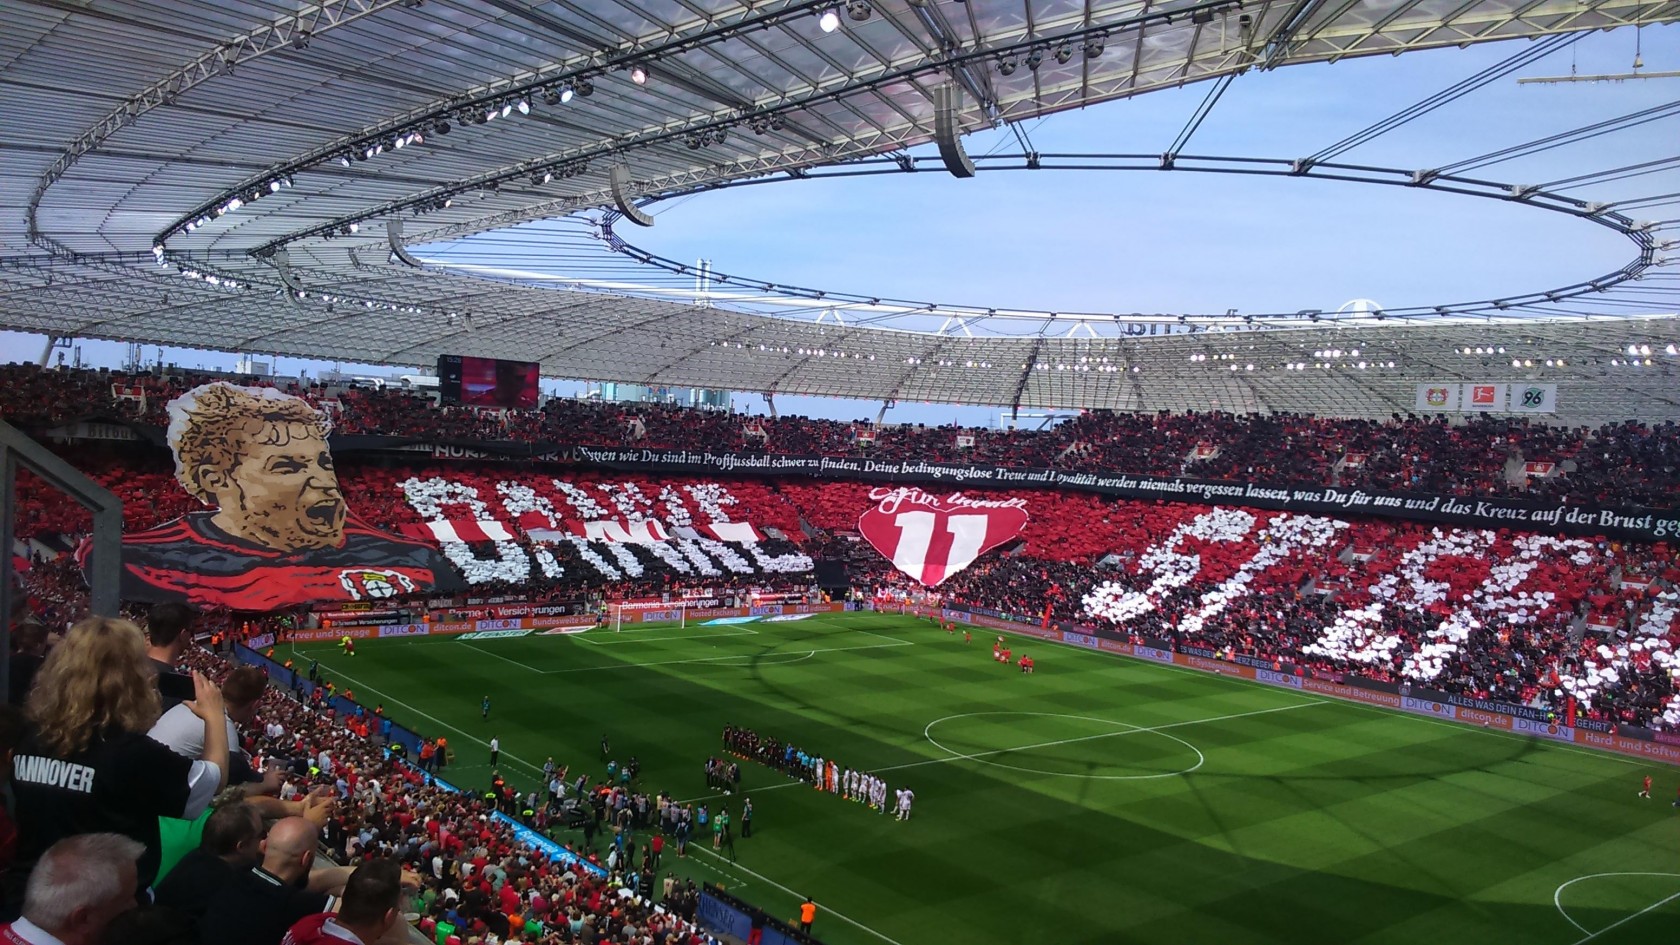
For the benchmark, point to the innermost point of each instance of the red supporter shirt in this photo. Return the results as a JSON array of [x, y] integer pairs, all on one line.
[[322, 929]]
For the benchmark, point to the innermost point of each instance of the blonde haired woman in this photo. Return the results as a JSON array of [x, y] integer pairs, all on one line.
[[87, 765]]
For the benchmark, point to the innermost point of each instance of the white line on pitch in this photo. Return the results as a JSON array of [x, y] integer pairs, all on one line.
[[504, 659], [732, 877], [1557, 894], [670, 639], [1133, 730], [825, 907], [426, 715], [1065, 741], [714, 659], [1623, 921]]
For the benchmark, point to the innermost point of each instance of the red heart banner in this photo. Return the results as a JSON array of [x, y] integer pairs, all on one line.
[[931, 537]]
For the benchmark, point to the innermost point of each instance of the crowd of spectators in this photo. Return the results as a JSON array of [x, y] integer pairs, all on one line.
[[288, 781], [1629, 463], [271, 780], [1614, 612]]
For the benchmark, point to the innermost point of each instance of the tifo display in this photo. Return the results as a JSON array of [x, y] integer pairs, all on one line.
[[399, 594]]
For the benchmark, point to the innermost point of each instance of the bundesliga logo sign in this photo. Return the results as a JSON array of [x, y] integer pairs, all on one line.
[[933, 537]]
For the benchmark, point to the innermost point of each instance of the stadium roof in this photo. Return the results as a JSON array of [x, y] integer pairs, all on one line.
[[262, 177]]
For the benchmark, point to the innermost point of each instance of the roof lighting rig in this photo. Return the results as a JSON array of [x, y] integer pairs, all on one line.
[[555, 88], [638, 66]]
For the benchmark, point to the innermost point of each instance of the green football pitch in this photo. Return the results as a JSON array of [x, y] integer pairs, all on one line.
[[1099, 800]]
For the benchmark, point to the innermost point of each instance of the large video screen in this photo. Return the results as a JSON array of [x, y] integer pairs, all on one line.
[[487, 382]]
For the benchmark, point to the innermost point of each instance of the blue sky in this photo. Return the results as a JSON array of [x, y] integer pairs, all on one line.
[[1152, 242]]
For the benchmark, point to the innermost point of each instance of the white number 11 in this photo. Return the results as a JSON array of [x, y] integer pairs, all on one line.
[[915, 534]]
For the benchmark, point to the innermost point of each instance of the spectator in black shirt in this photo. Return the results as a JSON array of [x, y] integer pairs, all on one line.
[[167, 635], [263, 902], [230, 845], [87, 765], [168, 631]]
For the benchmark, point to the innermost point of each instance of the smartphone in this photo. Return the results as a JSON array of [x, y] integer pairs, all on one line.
[[177, 687]]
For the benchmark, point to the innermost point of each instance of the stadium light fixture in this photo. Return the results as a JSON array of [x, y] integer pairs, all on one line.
[[829, 21], [1035, 58], [638, 75], [566, 95], [859, 10], [1064, 52], [1007, 65]]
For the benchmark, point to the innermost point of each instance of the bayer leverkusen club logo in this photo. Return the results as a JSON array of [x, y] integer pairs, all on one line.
[[374, 583], [1436, 396], [932, 537]]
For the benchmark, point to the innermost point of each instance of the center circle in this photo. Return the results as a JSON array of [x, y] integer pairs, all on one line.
[[1064, 746]]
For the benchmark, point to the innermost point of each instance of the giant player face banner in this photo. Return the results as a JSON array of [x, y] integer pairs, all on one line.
[[933, 537], [276, 531]]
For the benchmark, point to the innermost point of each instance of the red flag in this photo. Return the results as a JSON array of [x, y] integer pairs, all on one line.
[[1569, 712], [1046, 621]]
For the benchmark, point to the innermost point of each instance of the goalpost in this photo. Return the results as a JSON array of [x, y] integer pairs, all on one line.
[[616, 612]]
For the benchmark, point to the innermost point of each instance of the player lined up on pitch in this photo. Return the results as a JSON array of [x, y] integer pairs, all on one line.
[[824, 774]]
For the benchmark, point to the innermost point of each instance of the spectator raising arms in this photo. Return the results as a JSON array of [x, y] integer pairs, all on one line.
[[87, 765]]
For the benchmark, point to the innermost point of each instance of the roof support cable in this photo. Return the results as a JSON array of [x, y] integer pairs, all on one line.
[[1199, 116], [1491, 74], [1613, 174], [1573, 136]]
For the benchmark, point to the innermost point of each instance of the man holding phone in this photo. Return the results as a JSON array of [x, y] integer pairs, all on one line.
[[183, 732], [168, 629]]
